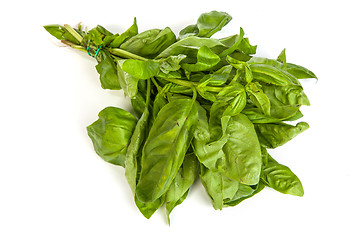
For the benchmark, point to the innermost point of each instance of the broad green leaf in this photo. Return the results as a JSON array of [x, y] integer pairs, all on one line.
[[127, 82], [234, 46], [267, 61], [272, 75], [189, 46], [208, 152], [232, 98], [165, 148], [171, 63], [141, 69], [243, 70], [207, 24], [282, 58], [220, 76], [277, 114], [179, 188], [206, 59], [286, 95], [159, 102], [108, 72], [224, 191], [281, 178], [56, 30], [148, 209], [119, 39], [258, 97], [134, 150], [138, 104], [111, 134], [212, 22], [149, 43], [218, 187], [300, 72], [244, 192], [272, 135], [133, 154], [191, 30], [242, 161]]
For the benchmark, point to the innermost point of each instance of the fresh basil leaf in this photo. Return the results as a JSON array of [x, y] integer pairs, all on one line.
[[148, 209], [242, 161], [127, 82], [191, 30], [134, 150], [244, 192], [272, 135], [207, 25], [179, 188], [56, 30], [300, 72], [281, 178], [189, 46], [206, 59], [141, 69], [272, 75], [282, 58], [107, 69], [212, 22], [258, 97], [119, 39], [165, 148], [111, 134], [149, 43]]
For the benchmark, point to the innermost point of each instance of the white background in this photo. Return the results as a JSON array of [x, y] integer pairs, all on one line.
[[54, 186]]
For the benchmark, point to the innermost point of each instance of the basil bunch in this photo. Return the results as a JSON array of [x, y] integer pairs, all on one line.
[[204, 107]]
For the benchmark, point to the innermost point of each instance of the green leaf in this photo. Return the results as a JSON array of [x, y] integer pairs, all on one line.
[[286, 95], [148, 209], [212, 22], [207, 24], [244, 192], [56, 30], [127, 82], [189, 46], [243, 70], [111, 134], [141, 69], [272, 135], [258, 97], [234, 46], [272, 75], [282, 58], [191, 30], [300, 72], [119, 39], [149, 43], [281, 178], [165, 148], [225, 192], [206, 59], [242, 161], [179, 188], [133, 154], [171, 63], [232, 98], [207, 151], [108, 71]]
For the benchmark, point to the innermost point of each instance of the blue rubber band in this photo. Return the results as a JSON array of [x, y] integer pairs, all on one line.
[[87, 48], [97, 51]]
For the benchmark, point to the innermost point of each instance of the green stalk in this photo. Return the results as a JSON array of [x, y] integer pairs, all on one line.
[[192, 84], [125, 54], [73, 32]]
